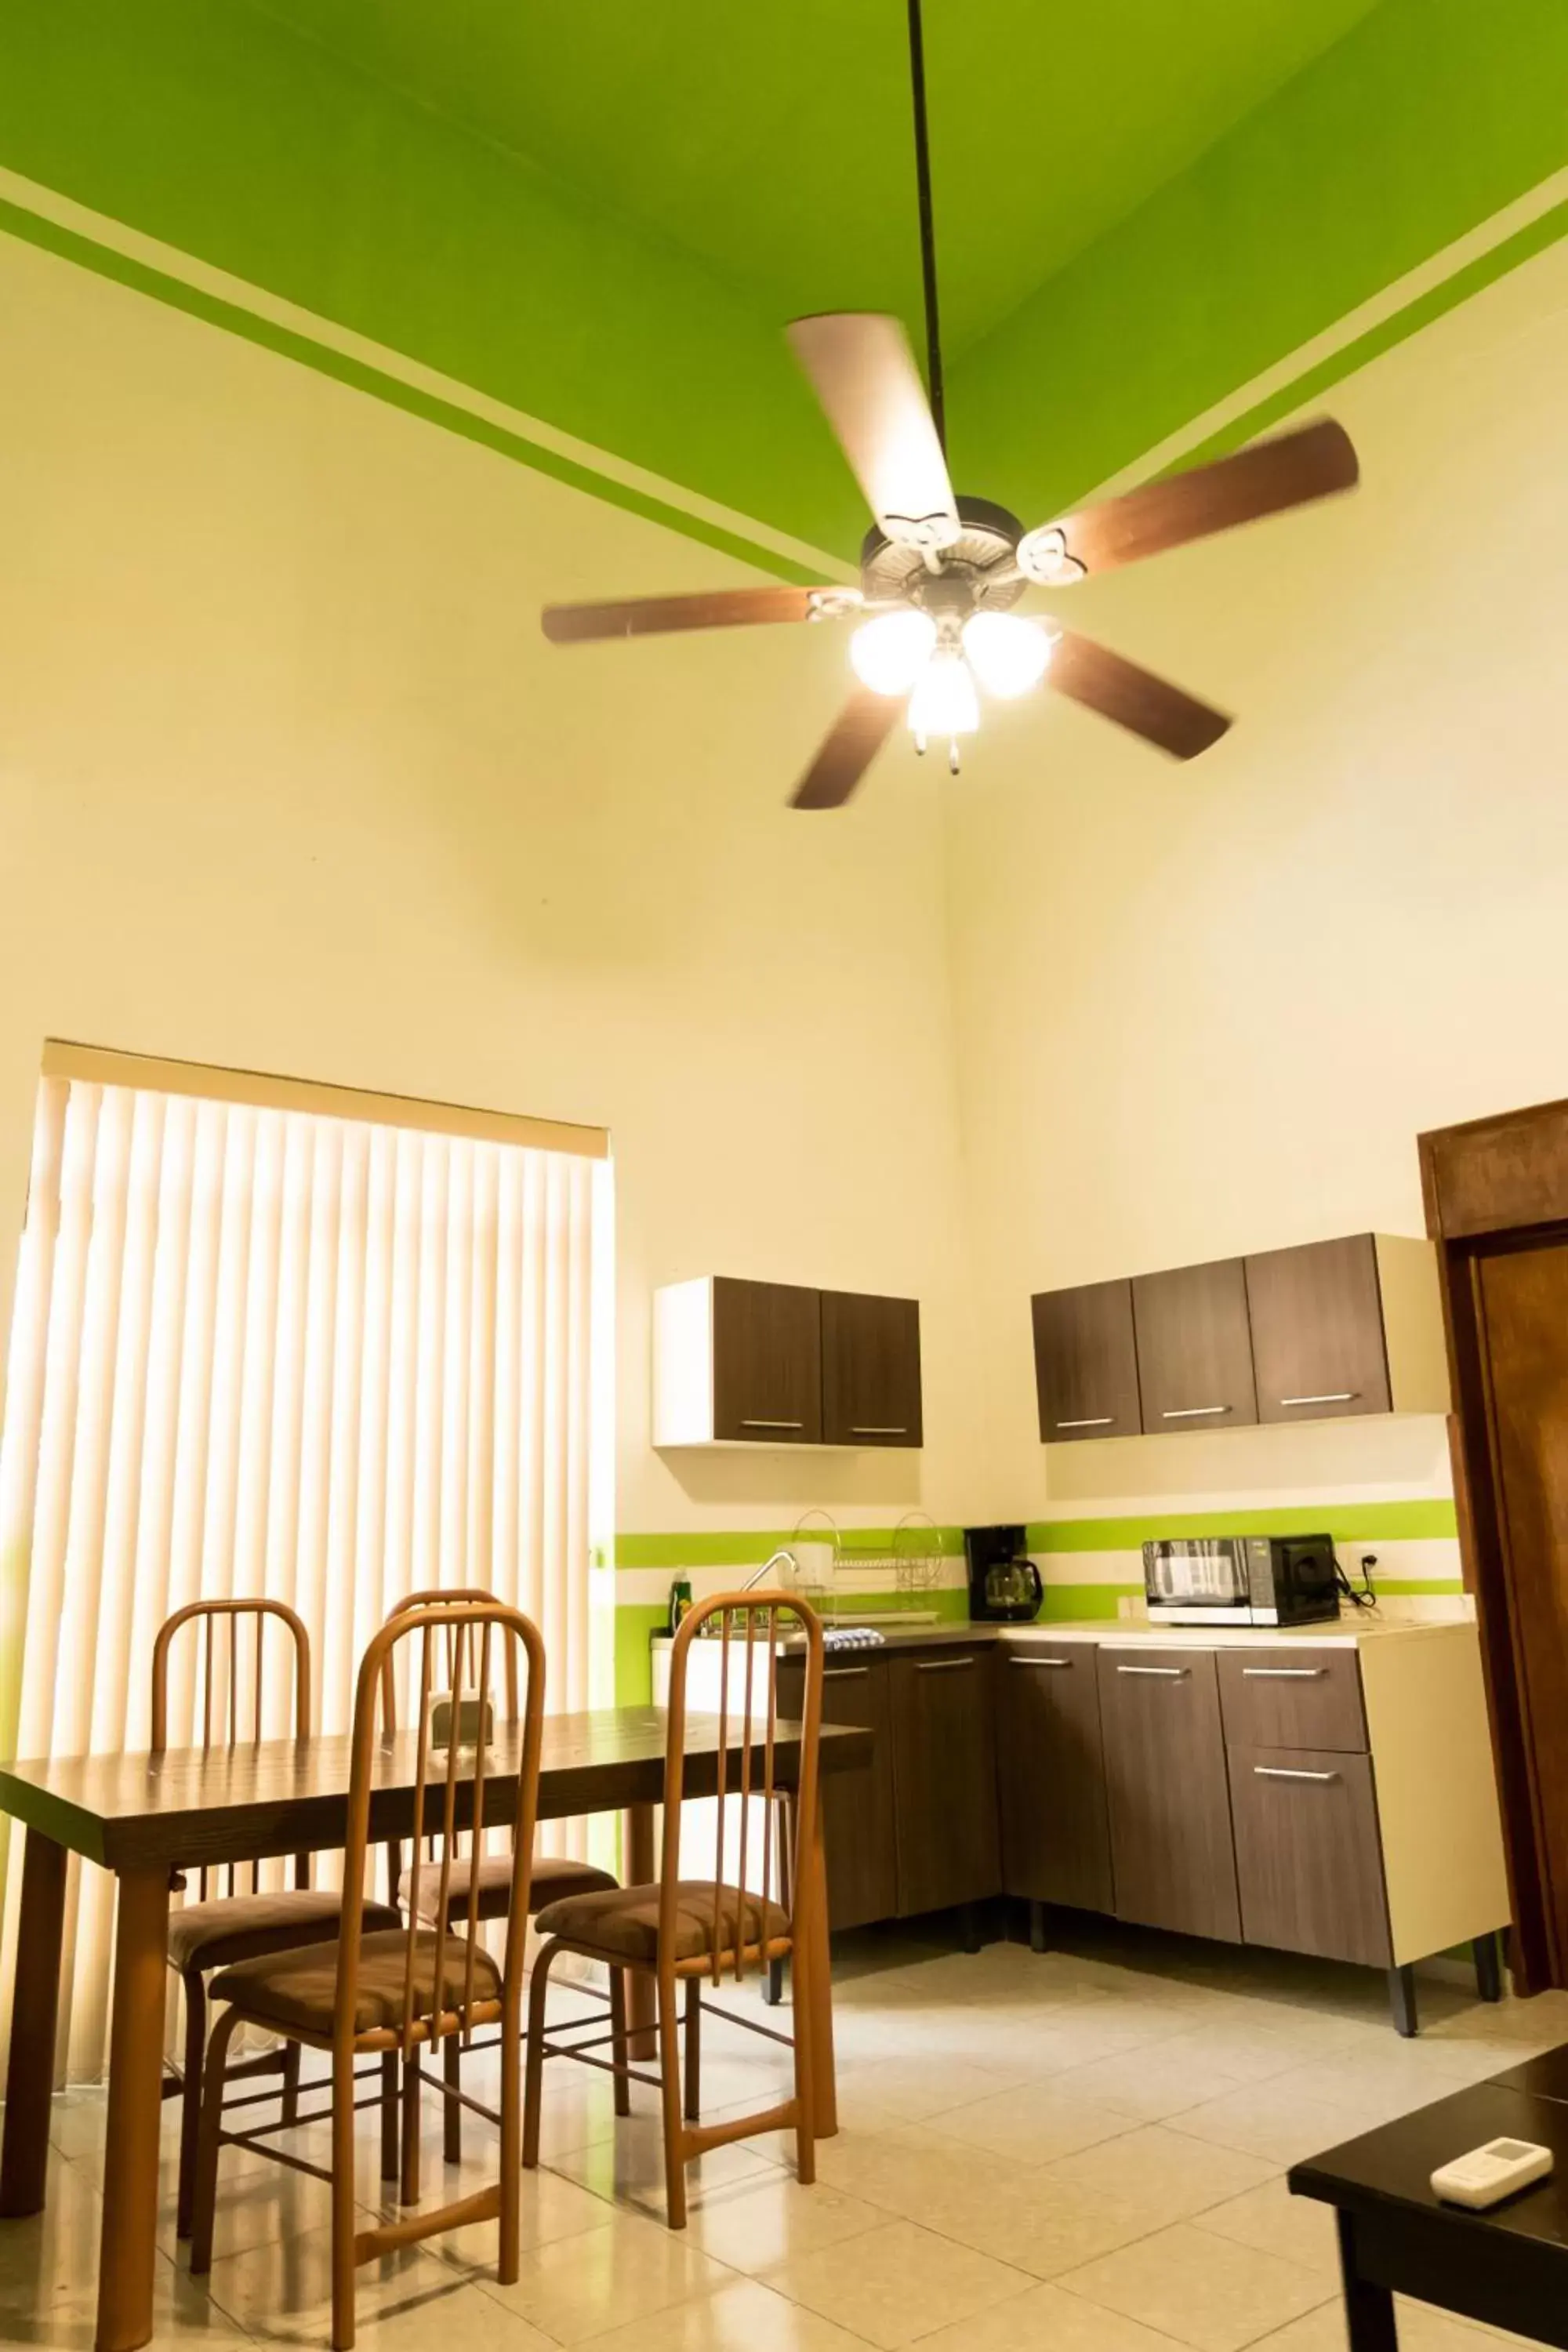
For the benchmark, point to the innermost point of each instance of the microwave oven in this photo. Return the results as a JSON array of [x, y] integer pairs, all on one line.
[[1241, 1580]]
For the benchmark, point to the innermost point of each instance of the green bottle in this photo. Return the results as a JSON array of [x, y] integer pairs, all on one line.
[[680, 1601]]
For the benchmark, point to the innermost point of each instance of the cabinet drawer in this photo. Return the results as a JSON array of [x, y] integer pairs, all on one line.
[[1309, 1865], [1288, 1698]]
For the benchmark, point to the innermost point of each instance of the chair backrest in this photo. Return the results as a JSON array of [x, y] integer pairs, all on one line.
[[225, 1720], [450, 1795], [452, 1596], [771, 1816]]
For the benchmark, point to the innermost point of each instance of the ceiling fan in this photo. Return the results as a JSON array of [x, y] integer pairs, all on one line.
[[940, 575]]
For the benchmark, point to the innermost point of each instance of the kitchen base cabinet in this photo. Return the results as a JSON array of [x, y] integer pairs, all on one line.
[[1309, 1865], [857, 1807], [944, 1779], [1051, 1776], [1167, 1792]]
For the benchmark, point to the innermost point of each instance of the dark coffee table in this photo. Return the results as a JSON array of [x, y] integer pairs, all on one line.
[[1508, 2268]]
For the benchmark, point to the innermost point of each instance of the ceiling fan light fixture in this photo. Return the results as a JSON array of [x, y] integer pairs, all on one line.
[[944, 701], [1007, 654], [887, 654]]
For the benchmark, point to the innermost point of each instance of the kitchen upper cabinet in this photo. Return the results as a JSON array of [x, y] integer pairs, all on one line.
[[1346, 1327], [1050, 1775], [944, 1779], [1167, 1791], [870, 1370], [1194, 1347], [1086, 1362], [774, 1363]]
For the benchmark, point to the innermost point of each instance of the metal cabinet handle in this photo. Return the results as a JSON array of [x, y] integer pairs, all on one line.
[[1095, 1420], [879, 1429], [942, 1666], [1289, 1772], [1282, 1674], [843, 1673], [1339, 1396], [1039, 1662], [1165, 1673], [1192, 1411], [747, 1423]]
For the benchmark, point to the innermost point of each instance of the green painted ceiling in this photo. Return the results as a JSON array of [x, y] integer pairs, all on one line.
[[601, 212], [771, 138]]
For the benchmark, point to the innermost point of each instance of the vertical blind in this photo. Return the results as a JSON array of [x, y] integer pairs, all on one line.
[[264, 1352]]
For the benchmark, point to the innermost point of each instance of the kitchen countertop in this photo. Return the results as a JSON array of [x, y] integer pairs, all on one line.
[[1346, 1632]]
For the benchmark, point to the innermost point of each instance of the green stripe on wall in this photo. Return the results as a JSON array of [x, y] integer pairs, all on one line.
[[1342, 1520]]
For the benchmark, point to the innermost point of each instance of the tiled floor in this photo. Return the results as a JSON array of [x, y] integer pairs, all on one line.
[[1081, 2151]]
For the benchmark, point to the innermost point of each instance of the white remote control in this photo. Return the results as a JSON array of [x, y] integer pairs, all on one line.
[[1487, 2175]]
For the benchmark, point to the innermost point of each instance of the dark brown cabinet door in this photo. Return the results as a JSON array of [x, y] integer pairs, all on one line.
[[1292, 1697], [1318, 1348], [857, 1807], [1086, 1365], [1166, 1790], [1307, 1862], [944, 1779], [1194, 1350], [1050, 1775], [767, 1362], [870, 1370]]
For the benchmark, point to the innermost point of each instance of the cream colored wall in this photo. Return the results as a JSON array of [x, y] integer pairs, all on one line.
[[290, 780], [1205, 1009]]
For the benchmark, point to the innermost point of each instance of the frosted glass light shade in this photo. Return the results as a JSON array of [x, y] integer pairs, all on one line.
[[1007, 654], [888, 652], [944, 701]]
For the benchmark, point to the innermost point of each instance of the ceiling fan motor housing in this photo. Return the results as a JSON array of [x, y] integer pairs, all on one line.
[[963, 577]]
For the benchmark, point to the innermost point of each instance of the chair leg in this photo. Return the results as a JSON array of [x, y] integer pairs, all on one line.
[[345, 2212], [693, 2108], [389, 2163], [204, 2204], [291, 2056], [537, 1995], [409, 2193], [801, 1980], [669, 2087], [452, 2122], [620, 2047], [510, 2261], [191, 2100]]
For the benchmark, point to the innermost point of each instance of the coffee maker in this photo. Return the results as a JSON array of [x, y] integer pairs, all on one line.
[[1003, 1583]]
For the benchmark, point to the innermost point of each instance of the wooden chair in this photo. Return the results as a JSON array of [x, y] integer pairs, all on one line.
[[217, 1929], [684, 1929], [551, 1878], [397, 1990]]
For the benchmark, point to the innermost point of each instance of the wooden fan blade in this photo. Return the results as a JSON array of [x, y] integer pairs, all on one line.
[[721, 608], [864, 374], [1289, 471], [1135, 698], [852, 743]]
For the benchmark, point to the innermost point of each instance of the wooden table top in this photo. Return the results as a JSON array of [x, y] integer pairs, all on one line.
[[190, 1806]]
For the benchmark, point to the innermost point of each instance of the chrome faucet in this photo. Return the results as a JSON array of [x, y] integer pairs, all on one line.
[[771, 1562]]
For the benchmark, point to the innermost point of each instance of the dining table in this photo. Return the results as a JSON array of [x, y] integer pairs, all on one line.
[[149, 1818]]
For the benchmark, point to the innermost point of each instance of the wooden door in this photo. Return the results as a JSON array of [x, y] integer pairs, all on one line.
[[870, 1370], [1309, 1865], [1318, 1348], [1050, 1774], [767, 1362], [1523, 1311], [944, 1779], [1166, 1789], [1194, 1347], [1086, 1365], [857, 1807]]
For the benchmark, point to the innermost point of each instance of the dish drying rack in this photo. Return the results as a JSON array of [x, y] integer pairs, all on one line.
[[889, 1581]]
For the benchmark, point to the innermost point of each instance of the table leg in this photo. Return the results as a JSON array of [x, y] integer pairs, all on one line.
[[819, 1978], [642, 1991], [35, 2002], [127, 2251], [1369, 2309]]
